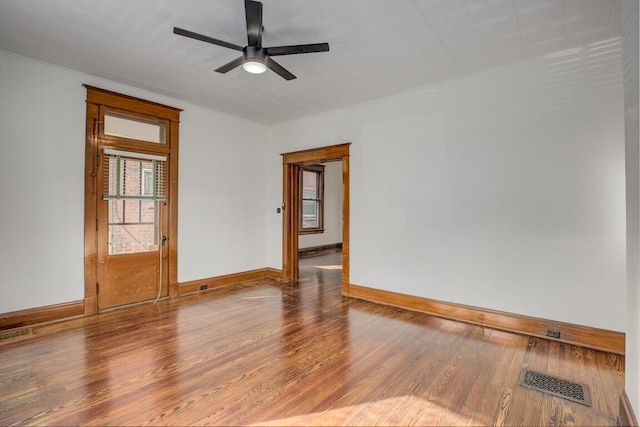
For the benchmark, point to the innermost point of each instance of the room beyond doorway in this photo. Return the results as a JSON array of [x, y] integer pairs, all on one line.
[[320, 218]]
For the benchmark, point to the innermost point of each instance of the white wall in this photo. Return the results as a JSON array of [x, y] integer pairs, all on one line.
[[42, 114], [503, 190], [631, 43], [332, 210], [222, 202], [222, 215]]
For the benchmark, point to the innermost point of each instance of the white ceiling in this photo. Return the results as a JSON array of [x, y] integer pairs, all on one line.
[[378, 47]]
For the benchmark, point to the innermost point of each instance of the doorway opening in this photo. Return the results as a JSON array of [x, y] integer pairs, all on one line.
[[320, 222], [293, 217]]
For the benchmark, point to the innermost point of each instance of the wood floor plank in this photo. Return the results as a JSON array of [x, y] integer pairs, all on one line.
[[265, 353]]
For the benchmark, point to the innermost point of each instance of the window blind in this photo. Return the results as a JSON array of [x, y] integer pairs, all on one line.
[[133, 176]]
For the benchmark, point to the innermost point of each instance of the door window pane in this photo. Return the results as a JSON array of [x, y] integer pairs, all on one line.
[[132, 190], [133, 178], [132, 226]]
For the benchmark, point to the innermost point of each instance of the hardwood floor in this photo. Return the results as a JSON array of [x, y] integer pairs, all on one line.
[[272, 354]]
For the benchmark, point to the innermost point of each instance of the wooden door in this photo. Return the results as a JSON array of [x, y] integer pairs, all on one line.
[[132, 228], [131, 185]]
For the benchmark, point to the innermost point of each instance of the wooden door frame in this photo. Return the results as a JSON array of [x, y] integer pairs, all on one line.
[[291, 163], [97, 99]]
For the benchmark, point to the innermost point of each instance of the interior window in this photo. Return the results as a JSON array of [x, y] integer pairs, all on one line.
[[311, 199]]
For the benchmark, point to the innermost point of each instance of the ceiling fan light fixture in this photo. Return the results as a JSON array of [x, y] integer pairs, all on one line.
[[254, 67], [255, 60]]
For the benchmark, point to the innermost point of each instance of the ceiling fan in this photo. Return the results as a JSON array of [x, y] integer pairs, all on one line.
[[255, 58]]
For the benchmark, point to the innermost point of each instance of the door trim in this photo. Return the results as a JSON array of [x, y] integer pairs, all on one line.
[[291, 163], [96, 99]]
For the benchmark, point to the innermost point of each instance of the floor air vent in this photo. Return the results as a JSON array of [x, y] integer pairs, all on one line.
[[15, 333], [569, 390]]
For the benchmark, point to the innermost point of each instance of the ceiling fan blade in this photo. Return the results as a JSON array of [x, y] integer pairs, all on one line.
[[207, 39], [294, 50], [279, 69], [230, 65], [253, 12]]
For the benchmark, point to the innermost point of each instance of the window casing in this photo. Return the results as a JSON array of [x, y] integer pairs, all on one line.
[[311, 199]]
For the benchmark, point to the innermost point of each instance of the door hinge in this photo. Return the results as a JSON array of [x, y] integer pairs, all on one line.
[[97, 288], [96, 224]]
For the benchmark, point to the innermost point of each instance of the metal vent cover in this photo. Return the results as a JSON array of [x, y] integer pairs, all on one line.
[[564, 389]]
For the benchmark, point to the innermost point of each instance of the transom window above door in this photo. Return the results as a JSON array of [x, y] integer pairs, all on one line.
[[130, 127]]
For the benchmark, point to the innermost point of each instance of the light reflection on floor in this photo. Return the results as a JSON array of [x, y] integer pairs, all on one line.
[[370, 413]]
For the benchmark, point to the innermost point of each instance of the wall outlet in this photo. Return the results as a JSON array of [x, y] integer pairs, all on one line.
[[203, 287], [552, 334]]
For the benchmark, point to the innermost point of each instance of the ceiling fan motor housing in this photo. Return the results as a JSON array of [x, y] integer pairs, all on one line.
[[254, 54]]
